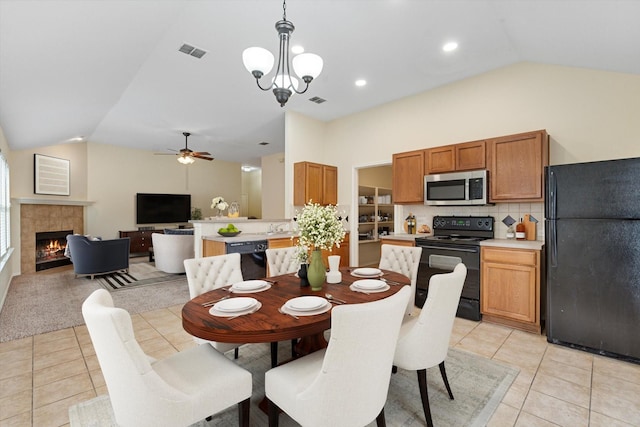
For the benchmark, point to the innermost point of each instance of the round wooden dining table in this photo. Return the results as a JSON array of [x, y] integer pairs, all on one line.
[[268, 324]]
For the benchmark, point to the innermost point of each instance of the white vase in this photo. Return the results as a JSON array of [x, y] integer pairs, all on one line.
[[334, 275]]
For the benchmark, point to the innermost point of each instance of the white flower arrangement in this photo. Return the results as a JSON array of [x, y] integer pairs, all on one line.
[[219, 203], [302, 254], [319, 227]]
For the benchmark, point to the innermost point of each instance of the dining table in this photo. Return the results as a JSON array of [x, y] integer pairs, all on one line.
[[272, 321]]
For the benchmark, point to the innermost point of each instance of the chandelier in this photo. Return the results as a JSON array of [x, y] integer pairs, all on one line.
[[259, 61]]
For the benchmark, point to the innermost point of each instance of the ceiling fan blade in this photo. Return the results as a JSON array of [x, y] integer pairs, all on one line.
[[201, 153], [198, 156]]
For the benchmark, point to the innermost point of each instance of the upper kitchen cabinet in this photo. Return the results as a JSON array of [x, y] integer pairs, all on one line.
[[456, 157], [408, 177], [315, 182], [516, 167]]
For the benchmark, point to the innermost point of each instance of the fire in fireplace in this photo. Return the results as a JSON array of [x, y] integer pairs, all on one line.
[[50, 248]]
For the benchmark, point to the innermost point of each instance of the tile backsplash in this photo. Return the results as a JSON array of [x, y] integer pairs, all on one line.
[[424, 214]]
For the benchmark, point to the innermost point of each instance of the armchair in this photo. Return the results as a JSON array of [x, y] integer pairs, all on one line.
[[170, 251], [94, 257]]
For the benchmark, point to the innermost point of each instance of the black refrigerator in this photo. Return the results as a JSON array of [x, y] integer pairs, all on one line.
[[592, 237]]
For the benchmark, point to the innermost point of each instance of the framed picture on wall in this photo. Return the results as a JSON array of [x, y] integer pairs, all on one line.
[[51, 175]]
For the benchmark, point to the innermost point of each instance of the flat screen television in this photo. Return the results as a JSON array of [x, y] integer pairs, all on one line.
[[162, 208]]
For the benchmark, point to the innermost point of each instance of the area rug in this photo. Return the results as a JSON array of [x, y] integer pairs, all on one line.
[[45, 302], [478, 385], [140, 274]]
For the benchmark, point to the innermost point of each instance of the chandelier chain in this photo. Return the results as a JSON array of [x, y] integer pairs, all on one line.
[[284, 10]]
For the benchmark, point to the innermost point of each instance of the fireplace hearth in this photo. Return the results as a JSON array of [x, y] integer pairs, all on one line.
[[50, 248]]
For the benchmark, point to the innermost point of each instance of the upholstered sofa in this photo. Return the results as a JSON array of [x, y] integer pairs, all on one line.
[[93, 257], [171, 249]]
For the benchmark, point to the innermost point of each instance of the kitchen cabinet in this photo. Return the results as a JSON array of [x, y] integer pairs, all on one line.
[[510, 287], [315, 182], [213, 247], [139, 240], [343, 250], [408, 177], [516, 167], [397, 242], [457, 157]]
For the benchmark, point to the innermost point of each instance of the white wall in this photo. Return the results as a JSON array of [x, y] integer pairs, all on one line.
[[8, 263], [116, 174], [590, 115], [273, 186]]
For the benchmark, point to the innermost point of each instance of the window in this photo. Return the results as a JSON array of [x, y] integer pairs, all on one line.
[[5, 231]]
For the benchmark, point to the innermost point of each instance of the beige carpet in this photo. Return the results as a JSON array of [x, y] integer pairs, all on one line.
[[44, 302], [478, 385]]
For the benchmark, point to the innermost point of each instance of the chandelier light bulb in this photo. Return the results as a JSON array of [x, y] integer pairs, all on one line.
[[257, 60], [307, 65]]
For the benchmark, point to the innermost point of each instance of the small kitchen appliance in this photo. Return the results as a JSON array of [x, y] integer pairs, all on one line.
[[455, 239], [457, 189]]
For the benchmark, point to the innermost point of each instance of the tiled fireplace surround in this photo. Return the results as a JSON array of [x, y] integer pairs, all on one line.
[[36, 218]]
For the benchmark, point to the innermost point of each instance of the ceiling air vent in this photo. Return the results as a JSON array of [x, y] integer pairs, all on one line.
[[317, 100], [193, 51]]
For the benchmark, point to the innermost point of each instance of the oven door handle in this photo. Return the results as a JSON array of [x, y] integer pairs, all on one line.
[[473, 251]]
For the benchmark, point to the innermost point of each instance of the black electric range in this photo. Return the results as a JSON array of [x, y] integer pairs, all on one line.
[[455, 239]]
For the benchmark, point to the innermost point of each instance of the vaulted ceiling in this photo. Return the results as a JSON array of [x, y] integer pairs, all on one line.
[[112, 72]]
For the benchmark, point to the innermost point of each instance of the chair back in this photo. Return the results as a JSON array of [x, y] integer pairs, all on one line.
[[206, 274], [351, 388], [132, 383], [426, 342], [404, 260], [282, 261], [170, 251]]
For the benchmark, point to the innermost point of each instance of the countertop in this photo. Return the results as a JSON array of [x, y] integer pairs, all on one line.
[[515, 244], [503, 243], [250, 237]]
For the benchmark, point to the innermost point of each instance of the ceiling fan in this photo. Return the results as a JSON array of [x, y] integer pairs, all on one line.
[[187, 156]]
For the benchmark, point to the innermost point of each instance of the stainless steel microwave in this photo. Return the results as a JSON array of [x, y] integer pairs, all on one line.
[[457, 189]]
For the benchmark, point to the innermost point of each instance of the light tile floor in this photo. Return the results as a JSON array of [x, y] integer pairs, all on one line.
[[41, 376]]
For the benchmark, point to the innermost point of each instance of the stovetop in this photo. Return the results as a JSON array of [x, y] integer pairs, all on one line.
[[460, 229]]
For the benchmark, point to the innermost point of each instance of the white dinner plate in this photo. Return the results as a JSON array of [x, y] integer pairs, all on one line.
[[232, 305], [249, 285], [369, 284], [307, 303], [367, 272]]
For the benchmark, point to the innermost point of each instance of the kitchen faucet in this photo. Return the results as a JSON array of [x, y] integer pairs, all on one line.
[[273, 228]]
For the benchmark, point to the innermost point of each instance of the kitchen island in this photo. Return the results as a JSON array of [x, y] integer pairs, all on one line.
[[252, 230]]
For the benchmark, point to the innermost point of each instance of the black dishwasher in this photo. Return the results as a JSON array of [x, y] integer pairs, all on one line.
[[252, 257]]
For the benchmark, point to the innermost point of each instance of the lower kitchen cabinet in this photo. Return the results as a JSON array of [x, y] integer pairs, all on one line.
[[510, 287], [343, 250]]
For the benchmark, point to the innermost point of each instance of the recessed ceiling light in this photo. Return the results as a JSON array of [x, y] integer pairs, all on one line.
[[450, 46], [361, 82], [297, 49]]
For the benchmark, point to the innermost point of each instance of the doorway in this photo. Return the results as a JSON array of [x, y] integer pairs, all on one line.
[[375, 211]]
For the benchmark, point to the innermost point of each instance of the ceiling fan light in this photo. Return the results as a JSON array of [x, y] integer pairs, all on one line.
[[186, 160], [257, 59], [307, 64]]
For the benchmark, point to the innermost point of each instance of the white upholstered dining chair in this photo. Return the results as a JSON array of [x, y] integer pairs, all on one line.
[[209, 273], [404, 260], [179, 390], [282, 260], [424, 339], [345, 384]]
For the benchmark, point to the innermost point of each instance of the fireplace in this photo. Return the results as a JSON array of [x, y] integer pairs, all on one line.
[[50, 248]]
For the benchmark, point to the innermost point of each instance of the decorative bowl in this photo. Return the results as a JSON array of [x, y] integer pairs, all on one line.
[[229, 234]]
